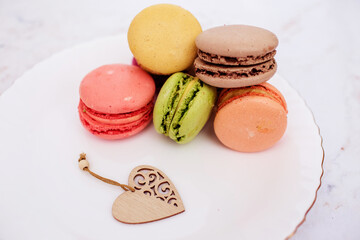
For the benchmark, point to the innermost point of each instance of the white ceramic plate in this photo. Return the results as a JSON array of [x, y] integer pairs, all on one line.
[[227, 194]]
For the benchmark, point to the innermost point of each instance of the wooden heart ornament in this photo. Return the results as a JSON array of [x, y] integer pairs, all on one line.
[[155, 197]]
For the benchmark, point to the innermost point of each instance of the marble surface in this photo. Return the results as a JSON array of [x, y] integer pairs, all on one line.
[[319, 54]]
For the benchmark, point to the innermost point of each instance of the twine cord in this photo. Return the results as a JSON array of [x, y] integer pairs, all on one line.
[[85, 166]]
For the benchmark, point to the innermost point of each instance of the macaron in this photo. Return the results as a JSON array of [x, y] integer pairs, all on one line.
[[116, 101], [162, 38], [250, 119], [183, 106], [234, 56]]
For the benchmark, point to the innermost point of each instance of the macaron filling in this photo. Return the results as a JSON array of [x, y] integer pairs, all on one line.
[[113, 124], [259, 90], [220, 71], [183, 106], [230, 60], [171, 106], [110, 117], [111, 129], [178, 105]]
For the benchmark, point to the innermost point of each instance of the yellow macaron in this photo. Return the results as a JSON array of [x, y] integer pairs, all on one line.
[[162, 38]]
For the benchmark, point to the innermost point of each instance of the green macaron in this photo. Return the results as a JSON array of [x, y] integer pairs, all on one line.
[[183, 107]]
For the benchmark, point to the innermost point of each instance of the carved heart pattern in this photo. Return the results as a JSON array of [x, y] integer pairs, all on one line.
[[155, 197]]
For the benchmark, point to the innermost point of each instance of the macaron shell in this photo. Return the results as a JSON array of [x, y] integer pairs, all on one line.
[[233, 77], [162, 38], [117, 88], [250, 123], [237, 41]]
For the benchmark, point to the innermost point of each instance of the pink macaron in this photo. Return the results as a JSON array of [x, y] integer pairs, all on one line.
[[250, 119], [116, 101]]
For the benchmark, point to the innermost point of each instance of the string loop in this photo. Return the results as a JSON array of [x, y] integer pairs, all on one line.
[[84, 165]]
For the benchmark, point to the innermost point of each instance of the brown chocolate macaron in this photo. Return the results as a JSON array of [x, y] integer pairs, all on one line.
[[235, 56]]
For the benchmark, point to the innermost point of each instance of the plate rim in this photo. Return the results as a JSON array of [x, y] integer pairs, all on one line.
[[322, 165]]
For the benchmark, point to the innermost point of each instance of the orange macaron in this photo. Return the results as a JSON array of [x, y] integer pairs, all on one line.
[[250, 119]]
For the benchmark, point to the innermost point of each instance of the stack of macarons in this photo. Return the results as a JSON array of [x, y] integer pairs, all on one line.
[[117, 100], [184, 103], [251, 114]]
